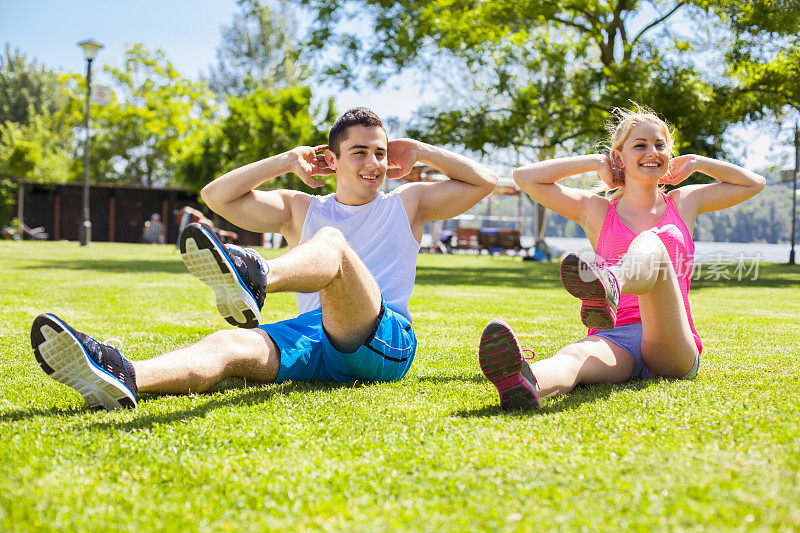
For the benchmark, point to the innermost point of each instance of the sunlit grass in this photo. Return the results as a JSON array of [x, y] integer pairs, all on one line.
[[431, 452]]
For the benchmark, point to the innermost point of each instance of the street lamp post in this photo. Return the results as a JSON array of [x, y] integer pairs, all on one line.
[[794, 187], [90, 49]]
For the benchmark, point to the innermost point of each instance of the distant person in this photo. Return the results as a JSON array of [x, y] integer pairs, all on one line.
[[352, 261], [635, 292], [153, 232], [189, 215]]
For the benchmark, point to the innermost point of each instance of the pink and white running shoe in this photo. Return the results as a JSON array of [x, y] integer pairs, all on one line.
[[596, 286], [502, 362]]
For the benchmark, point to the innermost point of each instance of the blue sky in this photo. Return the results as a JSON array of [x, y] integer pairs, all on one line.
[[189, 32], [48, 30]]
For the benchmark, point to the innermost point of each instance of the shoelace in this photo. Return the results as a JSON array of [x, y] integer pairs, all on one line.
[[530, 357], [249, 252], [114, 343]]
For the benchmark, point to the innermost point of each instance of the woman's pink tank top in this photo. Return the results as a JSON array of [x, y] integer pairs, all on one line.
[[616, 237]]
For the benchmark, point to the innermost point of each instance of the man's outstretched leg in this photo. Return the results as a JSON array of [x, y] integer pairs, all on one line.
[[106, 378], [96, 370]]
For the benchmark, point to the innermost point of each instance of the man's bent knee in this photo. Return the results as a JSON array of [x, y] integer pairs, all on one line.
[[331, 236], [233, 344], [248, 353]]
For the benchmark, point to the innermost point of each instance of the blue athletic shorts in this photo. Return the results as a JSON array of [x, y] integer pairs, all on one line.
[[306, 352], [629, 338]]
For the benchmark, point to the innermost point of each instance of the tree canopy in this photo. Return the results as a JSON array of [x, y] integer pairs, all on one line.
[[258, 124], [536, 76], [258, 49], [765, 56], [26, 89], [138, 136]]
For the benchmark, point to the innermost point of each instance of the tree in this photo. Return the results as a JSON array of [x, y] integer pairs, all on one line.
[[40, 150], [258, 49], [139, 135], [532, 76], [26, 90], [765, 57], [260, 123]]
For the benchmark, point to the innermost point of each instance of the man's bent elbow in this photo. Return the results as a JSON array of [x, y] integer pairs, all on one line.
[[208, 195]]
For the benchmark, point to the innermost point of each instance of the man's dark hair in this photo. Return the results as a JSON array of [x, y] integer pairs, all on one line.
[[358, 116]]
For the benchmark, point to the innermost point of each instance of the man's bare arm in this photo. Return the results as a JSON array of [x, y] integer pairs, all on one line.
[[233, 195]]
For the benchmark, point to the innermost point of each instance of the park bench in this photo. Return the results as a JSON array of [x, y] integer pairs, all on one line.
[[466, 239], [499, 240]]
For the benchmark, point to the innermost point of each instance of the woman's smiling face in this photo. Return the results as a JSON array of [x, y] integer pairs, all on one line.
[[645, 153]]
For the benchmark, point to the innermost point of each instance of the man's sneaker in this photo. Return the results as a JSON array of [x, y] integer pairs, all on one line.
[[238, 276], [595, 286], [502, 363], [96, 370]]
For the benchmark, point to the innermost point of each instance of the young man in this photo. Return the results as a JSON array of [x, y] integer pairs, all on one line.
[[352, 262]]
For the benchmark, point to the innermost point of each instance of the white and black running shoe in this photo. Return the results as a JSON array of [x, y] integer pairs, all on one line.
[[96, 370], [238, 276]]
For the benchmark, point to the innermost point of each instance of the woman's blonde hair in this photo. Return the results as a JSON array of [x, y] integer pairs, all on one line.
[[619, 129]]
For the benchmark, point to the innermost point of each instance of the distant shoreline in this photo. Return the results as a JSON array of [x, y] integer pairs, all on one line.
[[705, 251]]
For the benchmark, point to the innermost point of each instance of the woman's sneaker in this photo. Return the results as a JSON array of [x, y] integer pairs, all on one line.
[[96, 370], [238, 276], [596, 286], [502, 363]]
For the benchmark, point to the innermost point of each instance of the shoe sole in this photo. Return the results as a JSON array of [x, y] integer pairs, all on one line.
[[207, 260], [501, 361], [63, 358], [596, 311]]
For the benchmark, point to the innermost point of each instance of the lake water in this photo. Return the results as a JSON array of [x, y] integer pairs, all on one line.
[[705, 252]]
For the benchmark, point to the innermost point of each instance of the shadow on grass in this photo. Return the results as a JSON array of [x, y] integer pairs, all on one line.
[[477, 378], [582, 394], [15, 416], [126, 266], [768, 276], [512, 274], [546, 276], [245, 396], [505, 274]]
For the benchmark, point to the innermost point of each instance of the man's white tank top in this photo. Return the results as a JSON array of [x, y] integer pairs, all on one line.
[[380, 233]]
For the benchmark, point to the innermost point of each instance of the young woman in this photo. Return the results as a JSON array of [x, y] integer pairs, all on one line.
[[634, 291]]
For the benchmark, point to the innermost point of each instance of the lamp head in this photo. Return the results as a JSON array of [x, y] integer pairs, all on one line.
[[90, 48]]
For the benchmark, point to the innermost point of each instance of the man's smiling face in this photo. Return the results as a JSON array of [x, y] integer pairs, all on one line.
[[361, 165]]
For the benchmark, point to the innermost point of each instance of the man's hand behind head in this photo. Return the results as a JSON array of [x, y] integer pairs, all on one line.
[[402, 154]]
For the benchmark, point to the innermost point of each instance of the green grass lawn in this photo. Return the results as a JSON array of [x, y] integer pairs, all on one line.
[[431, 452]]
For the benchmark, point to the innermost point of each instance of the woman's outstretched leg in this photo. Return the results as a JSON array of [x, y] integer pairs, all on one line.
[[590, 360]]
